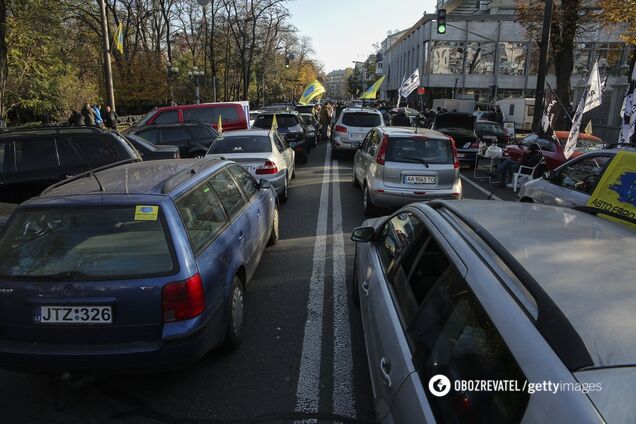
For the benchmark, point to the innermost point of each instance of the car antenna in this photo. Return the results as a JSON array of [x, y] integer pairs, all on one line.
[[92, 174]]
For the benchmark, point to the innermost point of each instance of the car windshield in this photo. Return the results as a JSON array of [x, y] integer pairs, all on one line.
[[283, 121], [308, 119], [488, 128], [584, 144], [242, 144], [86, 243], [419, 149], [361, 119]]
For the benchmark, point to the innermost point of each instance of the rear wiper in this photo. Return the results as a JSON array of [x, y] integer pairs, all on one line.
[[420, 160], [61, 276]]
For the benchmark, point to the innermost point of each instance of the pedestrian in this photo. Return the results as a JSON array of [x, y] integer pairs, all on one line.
[[76, 119], [89, 115], [98, 116], [530, 158], [499, 115], [110, 119], [325, 120], [400, 119]]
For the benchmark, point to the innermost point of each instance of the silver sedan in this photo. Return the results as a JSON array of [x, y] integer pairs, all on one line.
[[264, 154]]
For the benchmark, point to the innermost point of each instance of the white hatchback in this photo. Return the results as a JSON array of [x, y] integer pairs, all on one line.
[[353, 125]]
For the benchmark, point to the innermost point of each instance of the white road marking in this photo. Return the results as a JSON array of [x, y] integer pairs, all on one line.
[[478, 187], [308, 389], [343, 393]]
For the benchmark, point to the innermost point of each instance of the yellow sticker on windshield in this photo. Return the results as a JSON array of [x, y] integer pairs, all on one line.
[[146, 213]]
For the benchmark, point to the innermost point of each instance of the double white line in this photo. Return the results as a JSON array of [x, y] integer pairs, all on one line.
[[308, 390]]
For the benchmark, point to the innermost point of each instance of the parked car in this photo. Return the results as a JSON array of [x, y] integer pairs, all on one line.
[[149, 277], [412, 114], [264, 154], [312, 127], [461, 127], [302, 109], [193, 140], [290, 127], [489, 291], [253, 115], [233, 115], [397, 166], [353, 125], [553, 152], [34, 158], [491, 133], [572, 183], [149, 151]]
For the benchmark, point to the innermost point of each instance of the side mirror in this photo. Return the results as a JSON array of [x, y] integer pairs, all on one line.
[[363, 234], [264, 184], [547, 175]]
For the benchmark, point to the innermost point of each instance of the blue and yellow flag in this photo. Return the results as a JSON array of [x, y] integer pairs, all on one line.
[[118, 38], [219, 126], [372, 91], [274, 123], [314, 89]]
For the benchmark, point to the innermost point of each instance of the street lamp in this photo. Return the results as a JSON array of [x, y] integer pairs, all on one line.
[[194, 75], [172, 72]]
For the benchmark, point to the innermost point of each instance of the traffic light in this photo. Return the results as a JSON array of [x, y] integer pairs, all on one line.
[[287, 62], [441, 21]]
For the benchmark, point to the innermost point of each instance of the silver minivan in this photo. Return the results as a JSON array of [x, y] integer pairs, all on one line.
[[352, 126], [396, 166]]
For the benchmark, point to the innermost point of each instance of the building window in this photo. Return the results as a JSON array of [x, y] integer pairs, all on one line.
[[609, 58], [582, 58], [480, 58], [448, 57], [512, 58]]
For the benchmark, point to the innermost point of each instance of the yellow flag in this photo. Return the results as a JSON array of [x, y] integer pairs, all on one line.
[[313, 90], [219, 126], [274, 123], [588, 128], [372, 91], [119, 38]]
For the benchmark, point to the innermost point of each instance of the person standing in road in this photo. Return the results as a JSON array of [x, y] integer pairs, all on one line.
[[89, 115], [400, 119], [325, 120], [110, 119]]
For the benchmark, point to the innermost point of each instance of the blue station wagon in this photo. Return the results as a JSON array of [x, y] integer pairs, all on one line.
[[140, 267]]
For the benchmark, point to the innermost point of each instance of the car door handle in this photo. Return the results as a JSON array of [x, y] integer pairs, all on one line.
[[385, 370], [258, 212], [365, 288], [241, 235]]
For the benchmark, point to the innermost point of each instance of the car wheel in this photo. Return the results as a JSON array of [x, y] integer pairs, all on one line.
[[273, 236], [367, 205], [284, 195], [353, 177], [236, 316]]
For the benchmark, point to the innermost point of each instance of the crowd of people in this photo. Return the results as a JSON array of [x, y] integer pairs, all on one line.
[[92, 116]]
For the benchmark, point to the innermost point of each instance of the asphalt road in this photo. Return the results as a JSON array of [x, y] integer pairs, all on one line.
[[303, 355]]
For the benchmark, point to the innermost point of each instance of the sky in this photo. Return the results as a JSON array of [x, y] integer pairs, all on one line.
[[342, 31]]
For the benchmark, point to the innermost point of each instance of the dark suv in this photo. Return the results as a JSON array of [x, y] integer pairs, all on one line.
[[32, 159], [193, 140], [460, 126], [290, 126]]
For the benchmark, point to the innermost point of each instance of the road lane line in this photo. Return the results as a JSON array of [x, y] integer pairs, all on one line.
[[308, 389], [478, 187], [343, 393]]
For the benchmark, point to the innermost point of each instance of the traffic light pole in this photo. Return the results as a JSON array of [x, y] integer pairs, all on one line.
[[543, 65]]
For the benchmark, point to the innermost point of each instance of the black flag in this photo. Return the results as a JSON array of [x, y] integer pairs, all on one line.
[[550, 113]]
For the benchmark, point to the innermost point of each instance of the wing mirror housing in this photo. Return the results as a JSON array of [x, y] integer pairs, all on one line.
[[363, 234]]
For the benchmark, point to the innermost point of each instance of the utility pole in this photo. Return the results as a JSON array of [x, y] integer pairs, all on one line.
[[108, 71], [543, 65]]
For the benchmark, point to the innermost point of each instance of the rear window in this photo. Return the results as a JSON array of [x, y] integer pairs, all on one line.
[[455, 121], [242, 144], [86, 243], [490, 129], [419, 149], [168, 117], [284, 121], [210, 115], [360, 119]]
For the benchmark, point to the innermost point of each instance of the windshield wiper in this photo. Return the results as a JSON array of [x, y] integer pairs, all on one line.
[[61, 276], [420, 160]]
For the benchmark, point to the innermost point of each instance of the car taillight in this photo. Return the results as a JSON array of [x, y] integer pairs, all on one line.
[[341, 129], [183, 300], [475, 145], [380, 159], [269, 168], [454, 150]]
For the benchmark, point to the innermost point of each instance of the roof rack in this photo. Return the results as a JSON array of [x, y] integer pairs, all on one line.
[[551, 322], [183, 176], [52, 127], [617, 145], [88, 174]]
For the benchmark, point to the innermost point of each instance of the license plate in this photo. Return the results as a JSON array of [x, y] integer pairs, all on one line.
[[490, 137], [419, 179], [461, 155], [76, 314], [355, 136]]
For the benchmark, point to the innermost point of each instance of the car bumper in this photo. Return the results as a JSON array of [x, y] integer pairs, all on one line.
[[394, 198], [467, 155], [277, 181], [339, 144]]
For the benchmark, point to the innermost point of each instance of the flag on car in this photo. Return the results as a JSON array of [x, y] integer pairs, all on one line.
[[313, 89], [410, 84], [119, 38], [628, 113], [274, 123], [372, 91], [588, 128], [219, 126], [590, 99], [550, 113]]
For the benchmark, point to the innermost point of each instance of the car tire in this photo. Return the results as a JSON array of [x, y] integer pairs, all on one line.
[[284, 195], [274, 234], [353, 177], [235, 316], [368, 207]]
